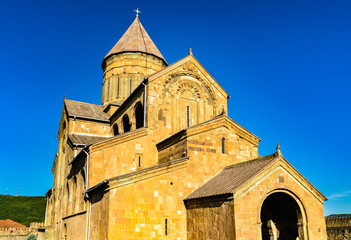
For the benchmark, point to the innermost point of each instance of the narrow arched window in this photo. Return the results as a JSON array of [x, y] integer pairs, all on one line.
[[223, 145], [115, 129], [126, 125], [187, 116], [139, 115]]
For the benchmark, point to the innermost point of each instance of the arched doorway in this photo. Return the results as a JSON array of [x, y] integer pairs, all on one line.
[[281, 218]]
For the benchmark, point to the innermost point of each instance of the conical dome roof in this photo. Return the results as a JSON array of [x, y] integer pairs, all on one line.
[[135, 39]]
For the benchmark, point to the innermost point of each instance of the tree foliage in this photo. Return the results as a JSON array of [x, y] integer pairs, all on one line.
[[31, 237], [24, 210]]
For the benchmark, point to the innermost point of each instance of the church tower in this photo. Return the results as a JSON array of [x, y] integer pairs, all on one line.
[[133, 58]]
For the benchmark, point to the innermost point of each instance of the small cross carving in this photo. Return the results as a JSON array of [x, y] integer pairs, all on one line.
[[137, 11]]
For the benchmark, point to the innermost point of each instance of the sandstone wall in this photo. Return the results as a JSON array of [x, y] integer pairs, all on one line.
[[186, 95], [210, 218], [99, 216]]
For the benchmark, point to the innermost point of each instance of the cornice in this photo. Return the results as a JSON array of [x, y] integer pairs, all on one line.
[[227, 122], [147, 173], [124, 137]]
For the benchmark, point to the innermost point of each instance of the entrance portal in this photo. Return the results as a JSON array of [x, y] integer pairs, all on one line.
[[281, 218]]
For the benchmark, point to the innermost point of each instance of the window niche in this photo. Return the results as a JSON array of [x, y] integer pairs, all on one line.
[[115, 129], [138, 160], [126, 124], [223, 145], [139, 115]]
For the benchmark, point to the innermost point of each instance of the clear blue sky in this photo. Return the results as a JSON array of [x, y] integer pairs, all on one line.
[[286, 65]]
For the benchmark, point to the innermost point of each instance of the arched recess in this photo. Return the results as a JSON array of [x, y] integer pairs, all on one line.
[[193, 101], [115, 129], [126, 123], [282, 217], [139, 115]]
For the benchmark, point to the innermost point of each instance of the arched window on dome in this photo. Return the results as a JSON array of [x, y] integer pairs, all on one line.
[[126, 124]]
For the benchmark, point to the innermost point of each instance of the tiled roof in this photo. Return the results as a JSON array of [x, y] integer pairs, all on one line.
[[232, 177], [135, 39], [10, 224], [86, 110], [85, 139]]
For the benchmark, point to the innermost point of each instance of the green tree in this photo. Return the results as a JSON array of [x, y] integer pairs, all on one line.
[[32, 237]]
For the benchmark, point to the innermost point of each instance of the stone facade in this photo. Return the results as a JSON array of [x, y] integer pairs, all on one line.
[[125, 168]]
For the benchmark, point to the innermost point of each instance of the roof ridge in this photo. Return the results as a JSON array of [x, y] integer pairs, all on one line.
[[141, 32], [82, 102], [249, 161]]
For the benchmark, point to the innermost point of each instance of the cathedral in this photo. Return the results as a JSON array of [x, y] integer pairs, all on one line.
[[161, 159]]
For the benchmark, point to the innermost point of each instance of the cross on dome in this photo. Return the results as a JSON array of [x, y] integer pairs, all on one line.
[[137, 11]]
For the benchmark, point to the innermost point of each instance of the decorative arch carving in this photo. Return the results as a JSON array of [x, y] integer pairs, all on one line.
[[190, 72], [189, 89]]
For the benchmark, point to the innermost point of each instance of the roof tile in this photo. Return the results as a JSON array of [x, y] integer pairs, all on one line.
[[86, 110], [135, 39], [86, 139], [232, 177], [10, 224]]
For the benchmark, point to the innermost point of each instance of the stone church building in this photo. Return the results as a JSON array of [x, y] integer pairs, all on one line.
[[161, 159]]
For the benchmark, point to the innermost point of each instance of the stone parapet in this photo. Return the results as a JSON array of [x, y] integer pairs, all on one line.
[[338, 228]]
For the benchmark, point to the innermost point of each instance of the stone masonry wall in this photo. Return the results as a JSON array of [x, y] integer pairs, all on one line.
[[338, 228], [140, 205], [210, 218], [99, 216]]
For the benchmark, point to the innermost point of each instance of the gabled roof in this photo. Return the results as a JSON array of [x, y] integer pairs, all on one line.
[[190, 58], [10, 224], [232, 177], [79, 139], [236, 176], [85, 110], [135, 39]]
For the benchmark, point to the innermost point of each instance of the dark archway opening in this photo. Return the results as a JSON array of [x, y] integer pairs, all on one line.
[[126, 124], [115, 129], [281, 218], [139, 115]]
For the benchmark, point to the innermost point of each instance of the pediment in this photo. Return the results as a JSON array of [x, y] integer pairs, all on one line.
[[282, 165], [263, 173], [188, 68]]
